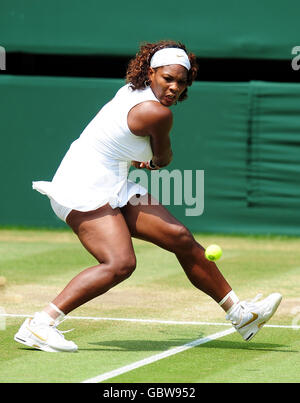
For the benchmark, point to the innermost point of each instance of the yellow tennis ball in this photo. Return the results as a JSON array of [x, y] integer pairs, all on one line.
[[213, 252]]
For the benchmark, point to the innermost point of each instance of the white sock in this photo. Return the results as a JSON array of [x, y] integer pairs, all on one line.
[[43, 317], [229, 301], [61, 314], [58, 316]]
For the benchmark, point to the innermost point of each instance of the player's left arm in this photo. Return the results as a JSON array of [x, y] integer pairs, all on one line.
[[152, 119]]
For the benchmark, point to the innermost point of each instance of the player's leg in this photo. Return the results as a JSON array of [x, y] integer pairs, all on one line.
[[104, 233], [154, 223]]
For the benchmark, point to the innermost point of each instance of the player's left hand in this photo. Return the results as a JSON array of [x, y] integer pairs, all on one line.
[[139, 164]]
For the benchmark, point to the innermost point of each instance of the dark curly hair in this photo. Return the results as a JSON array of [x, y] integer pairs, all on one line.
[[137, 71]]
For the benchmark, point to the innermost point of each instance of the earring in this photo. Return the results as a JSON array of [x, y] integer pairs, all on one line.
[[147, 83]]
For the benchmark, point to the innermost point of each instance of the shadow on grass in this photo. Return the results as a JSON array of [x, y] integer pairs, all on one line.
[[140, 345], [250, 346], [161, 345]]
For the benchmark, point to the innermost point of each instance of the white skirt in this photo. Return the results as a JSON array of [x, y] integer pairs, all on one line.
[[62, 212], [85, 181]]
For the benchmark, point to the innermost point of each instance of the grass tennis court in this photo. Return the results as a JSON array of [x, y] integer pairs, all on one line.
[[165, 312]]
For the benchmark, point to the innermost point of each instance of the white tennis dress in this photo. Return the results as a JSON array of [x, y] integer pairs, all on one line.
[[95, 169]]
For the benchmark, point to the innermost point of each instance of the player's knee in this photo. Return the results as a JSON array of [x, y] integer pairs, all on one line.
[[183, 238], [124, 267]]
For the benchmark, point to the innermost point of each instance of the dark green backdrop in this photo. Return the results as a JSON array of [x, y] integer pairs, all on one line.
[[245, 136], [265, 29]]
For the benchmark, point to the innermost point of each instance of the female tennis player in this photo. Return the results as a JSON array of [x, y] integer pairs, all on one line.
[[94, 197]]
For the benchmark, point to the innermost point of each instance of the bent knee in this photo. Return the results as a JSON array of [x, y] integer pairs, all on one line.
[[185, 236], [124, 267], [182, 238]]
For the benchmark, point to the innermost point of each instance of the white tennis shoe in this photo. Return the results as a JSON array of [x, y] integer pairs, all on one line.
[[248, 317], [37, 333]]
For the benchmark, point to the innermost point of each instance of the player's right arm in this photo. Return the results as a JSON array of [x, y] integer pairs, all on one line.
[[152, 119]]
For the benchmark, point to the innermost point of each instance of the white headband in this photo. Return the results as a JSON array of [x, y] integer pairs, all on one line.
[[167, 56]]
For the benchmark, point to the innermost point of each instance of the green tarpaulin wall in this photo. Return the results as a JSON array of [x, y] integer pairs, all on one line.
[[267, 29], [245, 136]]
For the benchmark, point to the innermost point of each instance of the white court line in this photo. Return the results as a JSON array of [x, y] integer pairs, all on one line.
[[164, 322], [157, 357]]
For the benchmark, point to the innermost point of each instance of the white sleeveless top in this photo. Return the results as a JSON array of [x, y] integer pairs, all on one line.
[[95, 169]]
